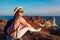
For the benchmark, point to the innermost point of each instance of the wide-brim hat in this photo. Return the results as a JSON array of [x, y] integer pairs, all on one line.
[[16, 9]]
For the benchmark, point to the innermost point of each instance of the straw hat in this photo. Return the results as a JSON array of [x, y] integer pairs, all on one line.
[[16, 9]]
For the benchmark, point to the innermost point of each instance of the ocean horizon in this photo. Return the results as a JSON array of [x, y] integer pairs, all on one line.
[[56, 17]]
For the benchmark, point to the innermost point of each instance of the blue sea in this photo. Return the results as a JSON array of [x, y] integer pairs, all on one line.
[[57, 19]]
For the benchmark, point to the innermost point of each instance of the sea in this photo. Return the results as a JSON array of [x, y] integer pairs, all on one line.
[[56, 17]]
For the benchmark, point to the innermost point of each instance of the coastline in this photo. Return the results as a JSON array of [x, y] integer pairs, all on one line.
[[40, 35]]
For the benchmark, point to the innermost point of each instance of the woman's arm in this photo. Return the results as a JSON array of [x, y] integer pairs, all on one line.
[[29, 26]]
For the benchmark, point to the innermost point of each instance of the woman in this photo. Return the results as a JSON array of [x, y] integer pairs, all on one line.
[[20, 26]]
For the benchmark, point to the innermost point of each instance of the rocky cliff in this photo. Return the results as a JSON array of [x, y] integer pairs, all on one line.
[[47, 33], [2, 24]]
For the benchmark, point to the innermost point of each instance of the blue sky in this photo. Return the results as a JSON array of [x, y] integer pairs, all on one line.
[[31, 7]]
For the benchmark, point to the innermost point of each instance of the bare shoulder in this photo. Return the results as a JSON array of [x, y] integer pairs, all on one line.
[[23, 20]]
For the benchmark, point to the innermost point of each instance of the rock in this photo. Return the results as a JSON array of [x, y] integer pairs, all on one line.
[[31, 22], [46, 33], [51, 22], [2, 23], [56, 32], [39, 36]]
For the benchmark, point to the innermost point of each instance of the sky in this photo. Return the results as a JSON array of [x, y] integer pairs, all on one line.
[[31, 7]]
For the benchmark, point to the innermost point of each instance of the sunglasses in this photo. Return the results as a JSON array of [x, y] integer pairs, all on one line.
[[20, 11]]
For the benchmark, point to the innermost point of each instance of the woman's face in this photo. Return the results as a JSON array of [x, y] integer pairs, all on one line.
[[20, 11]]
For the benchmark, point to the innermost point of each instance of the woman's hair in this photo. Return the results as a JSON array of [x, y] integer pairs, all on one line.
[[16, 14]]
